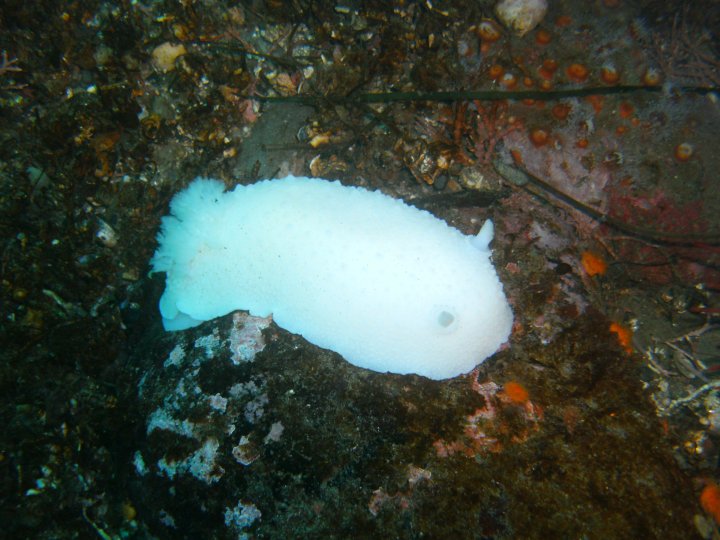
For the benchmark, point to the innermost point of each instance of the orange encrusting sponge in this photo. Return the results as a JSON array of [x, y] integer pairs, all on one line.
[[624, 336], [710, 501], [515, 392], [593, 264]]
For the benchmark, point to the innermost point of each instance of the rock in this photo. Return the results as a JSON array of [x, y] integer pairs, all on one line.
[[521, 16]]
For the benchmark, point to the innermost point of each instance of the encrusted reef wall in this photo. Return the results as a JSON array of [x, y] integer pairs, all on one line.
[[251, 432], [590, 140]]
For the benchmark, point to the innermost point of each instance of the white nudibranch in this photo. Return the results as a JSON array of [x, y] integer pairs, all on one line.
[[389, 287]]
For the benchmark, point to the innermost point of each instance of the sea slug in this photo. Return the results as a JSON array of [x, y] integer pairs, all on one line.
[[389, 287]]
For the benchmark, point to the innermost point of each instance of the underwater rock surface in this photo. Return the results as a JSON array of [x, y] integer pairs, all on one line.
[[252, 431]]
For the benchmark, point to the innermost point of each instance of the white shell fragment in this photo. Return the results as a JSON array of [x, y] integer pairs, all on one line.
[[521, 16]]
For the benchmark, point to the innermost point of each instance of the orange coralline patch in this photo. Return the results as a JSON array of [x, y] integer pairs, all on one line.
[[539, 137], [582, 143], [515, 392], [593, 263], [563, 21], [545, 85], [651, 77], [548, 69], [495, 71], [561, 111], [597, 101], [509, 81], [710, 500], [624, 336], [545, 74], [489, 31], [543, 37], [577, 73], [626, 110], [517, 156], [609, 74], [486, 427], [684, 151]]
